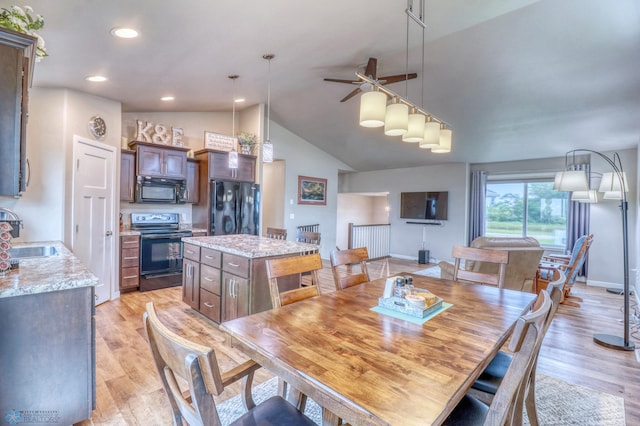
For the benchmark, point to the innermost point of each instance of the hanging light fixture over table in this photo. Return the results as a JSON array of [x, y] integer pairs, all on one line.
[[233, 154], [267, 146]]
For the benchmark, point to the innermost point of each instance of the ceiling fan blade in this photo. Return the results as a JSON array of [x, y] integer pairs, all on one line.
[[351, 95], [337, 80], [371, 69], [395, 78]]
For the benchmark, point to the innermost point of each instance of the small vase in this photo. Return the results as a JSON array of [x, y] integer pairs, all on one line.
[[245, 149]]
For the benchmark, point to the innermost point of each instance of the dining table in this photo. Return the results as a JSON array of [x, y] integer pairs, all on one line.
[[369, 365]]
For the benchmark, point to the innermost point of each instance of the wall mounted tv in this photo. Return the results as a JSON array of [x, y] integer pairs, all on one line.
[[424, 205]]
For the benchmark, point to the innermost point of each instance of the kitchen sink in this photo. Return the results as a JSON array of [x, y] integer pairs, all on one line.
[[32, 251]]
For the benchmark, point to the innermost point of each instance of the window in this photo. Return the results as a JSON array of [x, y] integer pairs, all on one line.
[[527, 209]]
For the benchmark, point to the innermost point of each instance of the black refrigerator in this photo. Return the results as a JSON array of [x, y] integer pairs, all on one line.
[[235, 208]]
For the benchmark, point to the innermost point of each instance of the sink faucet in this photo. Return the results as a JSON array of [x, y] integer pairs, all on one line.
[[8, 212]]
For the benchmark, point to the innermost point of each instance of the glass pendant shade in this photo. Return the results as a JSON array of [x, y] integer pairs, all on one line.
[[396, 120], [556, 181], [611, 182], [445, 142], [573, 180], [431, 137], [415, 129], [373, 108], [590, 196], [233, 159], [267, 152], [612, 195]]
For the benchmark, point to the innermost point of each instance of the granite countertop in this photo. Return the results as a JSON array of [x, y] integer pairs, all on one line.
[[44, 274], [251, 246]]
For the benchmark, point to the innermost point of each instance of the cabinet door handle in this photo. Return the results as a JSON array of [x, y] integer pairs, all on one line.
[[208, 279], [130, 258], [235, 265], [28, 173], [208, 257], [208, 305], [130, 276]]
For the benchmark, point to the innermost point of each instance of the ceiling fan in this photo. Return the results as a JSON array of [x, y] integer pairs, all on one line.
[[371, 72]]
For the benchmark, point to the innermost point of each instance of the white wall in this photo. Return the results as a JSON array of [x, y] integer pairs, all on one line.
[[273, 182], [359, 209], [406, 239], [304, 159]]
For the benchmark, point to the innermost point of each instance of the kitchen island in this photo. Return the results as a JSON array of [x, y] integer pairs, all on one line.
[[47, 332], [225, 277]]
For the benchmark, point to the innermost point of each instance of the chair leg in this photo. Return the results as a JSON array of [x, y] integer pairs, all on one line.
[[247, 397]]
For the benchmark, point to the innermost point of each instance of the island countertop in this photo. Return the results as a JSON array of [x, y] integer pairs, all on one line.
[[251, 246], [44, 274]]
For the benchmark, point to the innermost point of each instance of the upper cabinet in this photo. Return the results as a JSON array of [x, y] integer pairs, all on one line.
[[193, 192], [127, 175], [160, 161], [17, 57], [218, 166]]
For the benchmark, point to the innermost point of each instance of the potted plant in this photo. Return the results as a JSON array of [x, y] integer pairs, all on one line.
[[20, 20], [247, 141]]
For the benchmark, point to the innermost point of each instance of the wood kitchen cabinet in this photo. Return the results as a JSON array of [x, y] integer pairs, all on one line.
[[191, 276], [17, 57], [160, 160], [129, 262], [127, 175], [217, 166], [193, 190]]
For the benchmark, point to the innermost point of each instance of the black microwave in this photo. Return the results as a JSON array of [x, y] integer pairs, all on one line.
[[160, 190]]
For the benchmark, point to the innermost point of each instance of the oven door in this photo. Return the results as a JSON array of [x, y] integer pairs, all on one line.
[[161, 254]]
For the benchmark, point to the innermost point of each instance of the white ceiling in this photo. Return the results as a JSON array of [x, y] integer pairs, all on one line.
[[516, 79]]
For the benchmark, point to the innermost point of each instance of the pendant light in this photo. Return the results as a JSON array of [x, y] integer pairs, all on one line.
[[415, 127], [431, 137], [444, 146], [267, 146], [233, 154], [373, 108], [396, 119]]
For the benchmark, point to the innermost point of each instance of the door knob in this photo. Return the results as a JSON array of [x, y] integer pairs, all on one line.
[[109, 233]]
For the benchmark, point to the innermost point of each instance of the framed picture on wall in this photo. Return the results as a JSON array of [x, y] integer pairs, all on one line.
[[312, 190]]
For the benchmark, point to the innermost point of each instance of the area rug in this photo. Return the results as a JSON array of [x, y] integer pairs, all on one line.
[[559, 404], [434, 272]]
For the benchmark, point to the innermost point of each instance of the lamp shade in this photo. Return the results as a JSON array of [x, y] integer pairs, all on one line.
[[267, 152], [611, 182], [415, 129], [396, 120], [373, 108], [557, 180], [233, 159], [590, 196], [612, 195], [431, 134], [573, 180], [445, 142]]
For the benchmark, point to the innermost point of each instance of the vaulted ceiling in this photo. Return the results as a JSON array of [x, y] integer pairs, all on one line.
[[515, 79]]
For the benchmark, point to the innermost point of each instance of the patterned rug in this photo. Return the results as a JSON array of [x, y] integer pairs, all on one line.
[[434, 271], [559, 404]]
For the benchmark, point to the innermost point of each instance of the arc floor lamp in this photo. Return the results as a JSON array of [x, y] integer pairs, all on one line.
[[575, 180]]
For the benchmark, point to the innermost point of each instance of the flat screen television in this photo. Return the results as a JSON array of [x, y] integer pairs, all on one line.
[[424, 205]]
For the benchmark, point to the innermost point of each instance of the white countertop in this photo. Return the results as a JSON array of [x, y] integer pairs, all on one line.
[[44, 274], [251, 246]]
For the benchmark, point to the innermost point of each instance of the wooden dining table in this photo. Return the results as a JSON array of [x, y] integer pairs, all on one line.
[[368, 367]]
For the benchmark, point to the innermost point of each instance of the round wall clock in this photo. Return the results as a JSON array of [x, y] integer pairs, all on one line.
[[97, 126]]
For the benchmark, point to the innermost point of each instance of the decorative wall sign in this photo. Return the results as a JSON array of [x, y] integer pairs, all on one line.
[[155, 133], [312, 191], [219, 142], [177, 134]]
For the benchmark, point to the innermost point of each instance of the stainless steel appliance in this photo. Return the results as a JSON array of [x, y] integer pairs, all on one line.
[[160, 249], [235, 208], [160, 190]]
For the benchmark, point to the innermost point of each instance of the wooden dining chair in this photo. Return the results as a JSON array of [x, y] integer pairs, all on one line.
[[344, 260], [177, 358], [277, 233], [293, 266], [500, 257], [507, 404], [489, 381], [308, 237]]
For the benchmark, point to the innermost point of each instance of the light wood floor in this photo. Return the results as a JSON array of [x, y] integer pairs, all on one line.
[[129, 390]]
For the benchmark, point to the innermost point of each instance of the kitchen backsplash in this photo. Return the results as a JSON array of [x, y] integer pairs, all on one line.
[[184, 209]]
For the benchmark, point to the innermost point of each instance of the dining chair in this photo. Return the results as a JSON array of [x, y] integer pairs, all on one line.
[[344, 260], [308, 237], [177, 358], [507, 404], [293, 266], [570, 265], [490, 379], [500, 257], [277, 233]]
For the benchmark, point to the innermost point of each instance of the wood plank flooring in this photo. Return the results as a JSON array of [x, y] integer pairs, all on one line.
[[129, 390]]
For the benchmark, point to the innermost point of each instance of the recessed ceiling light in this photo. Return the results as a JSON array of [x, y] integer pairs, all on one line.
[[96, 78], [239, 100], [167, 98], [124, 32]]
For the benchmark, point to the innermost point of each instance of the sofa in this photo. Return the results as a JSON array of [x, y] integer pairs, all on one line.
[[524, 256]]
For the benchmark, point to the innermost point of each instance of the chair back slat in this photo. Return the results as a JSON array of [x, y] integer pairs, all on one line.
[[308, 237], [276, 233], [500, 257], [346, 259], [287, 266]]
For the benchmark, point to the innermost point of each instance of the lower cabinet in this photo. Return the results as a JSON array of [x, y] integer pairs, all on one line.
[[236, 296], [48, 355], [191, 283], [129, 262]]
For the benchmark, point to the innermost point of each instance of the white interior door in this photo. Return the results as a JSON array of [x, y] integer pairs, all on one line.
[[93, 211]]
